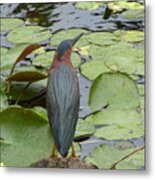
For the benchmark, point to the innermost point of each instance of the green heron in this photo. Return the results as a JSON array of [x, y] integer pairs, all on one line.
[[63, 97]]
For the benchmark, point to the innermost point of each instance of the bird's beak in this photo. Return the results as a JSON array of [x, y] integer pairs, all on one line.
[[73, 41]]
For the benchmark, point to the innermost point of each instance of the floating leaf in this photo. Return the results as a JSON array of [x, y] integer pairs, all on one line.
[[115, 132], [26, 76], [88, 5], [4, 101], [10, 57], [126, 58], [92, 69], [3, 50], [117, 117], [132, 14], [84, 129], [28, 34], [44, 59], [57, 38], [102, 38], [134, 36], [8, 24], [141, 89], [32, 91], [136, 161], [105, 156], [27, 134], [122, 5], [116, 90]]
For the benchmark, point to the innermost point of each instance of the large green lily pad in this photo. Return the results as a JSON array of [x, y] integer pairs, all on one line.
[[28, 34], [115, 132], [105, 157], [134, 36], [8, 24], [26, 135], [120, 117], [88, 5], [4, 101], [10, 56], [92, 69], [116, 90], [29, 75], [84, 129], [136, 161], [32, 91], [57, 38], [44, 59], [3, 50], [124, 57], [102, 38], [133, 14], [122, 5]]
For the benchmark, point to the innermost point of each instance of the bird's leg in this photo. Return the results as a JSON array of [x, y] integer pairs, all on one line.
[[73, 155], [54, 152]]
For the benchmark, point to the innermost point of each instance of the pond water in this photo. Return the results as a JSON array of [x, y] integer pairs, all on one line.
[[61, 16]]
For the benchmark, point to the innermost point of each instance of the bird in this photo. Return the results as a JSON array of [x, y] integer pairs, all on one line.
[[63, 98]]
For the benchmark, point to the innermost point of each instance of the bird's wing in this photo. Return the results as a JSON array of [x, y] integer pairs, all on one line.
[[63, 105]]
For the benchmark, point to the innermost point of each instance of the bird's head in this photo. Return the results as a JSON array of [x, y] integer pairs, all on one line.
[[66, 45]]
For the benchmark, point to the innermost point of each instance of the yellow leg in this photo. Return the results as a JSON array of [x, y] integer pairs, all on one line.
[[54, 152], [73, 154]]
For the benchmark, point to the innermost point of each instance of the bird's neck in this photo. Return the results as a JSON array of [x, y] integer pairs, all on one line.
[[65, 59]]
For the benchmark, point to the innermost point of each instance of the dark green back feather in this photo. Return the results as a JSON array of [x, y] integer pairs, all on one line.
[[63, 105]]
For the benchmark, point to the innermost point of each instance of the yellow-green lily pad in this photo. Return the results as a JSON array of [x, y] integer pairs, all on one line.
[[133, 14], [27, 134], [8, 24], [115, 90], [88, 5], [57, 38], [91, 69], [28, 34], [10, 56], [106, 156]]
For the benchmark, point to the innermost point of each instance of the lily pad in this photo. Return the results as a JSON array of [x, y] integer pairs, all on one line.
[[105, 156], [115, 132], [45, 59], [122, 5], [123, 118], [9, 58], [117, 90], [141, 89], [102, 38], [8, 24], [84, 129], [92, 69], [133, 14], [134, 36], [3, 50], [136, 161], [57, 38], [124, 57], [88, 5], [4, 101], [29, 137], [29, 75], [32, 91], [28, 34]]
